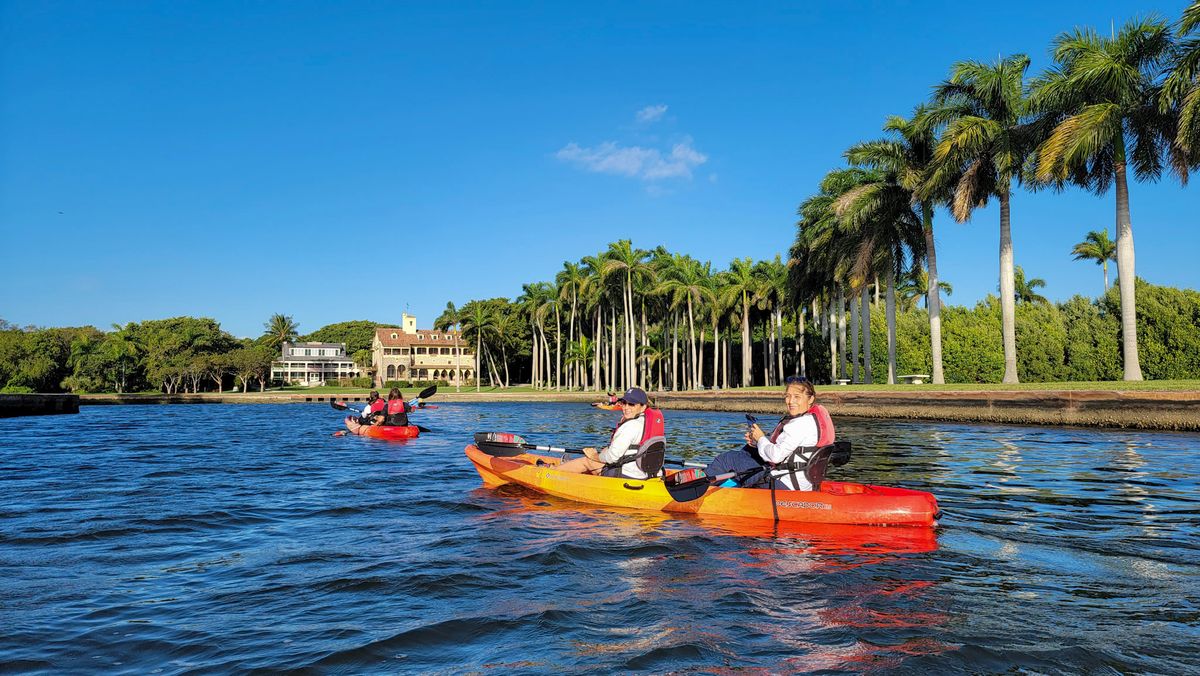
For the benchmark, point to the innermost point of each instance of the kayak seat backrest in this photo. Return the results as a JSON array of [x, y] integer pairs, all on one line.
[[815, 470], [650, 455]]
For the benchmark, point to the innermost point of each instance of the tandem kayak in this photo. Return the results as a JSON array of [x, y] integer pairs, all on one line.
[[837, 502], [382, 431]]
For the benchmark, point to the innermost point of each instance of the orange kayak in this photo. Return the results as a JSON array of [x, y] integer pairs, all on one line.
[[382, 431], [837, 502]]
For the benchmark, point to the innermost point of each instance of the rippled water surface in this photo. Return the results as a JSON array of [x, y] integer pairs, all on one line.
[[169, 539]]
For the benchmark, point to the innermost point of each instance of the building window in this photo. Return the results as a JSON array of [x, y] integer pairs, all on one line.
[[393, 336], [420, 336], [434, 336], [308, 353], [404, 350]]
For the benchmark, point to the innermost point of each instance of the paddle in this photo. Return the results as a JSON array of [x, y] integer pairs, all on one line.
[[506, 445], [692, 488], [423, 394]]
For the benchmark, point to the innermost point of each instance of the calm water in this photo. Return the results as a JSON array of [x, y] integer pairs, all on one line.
[[169, 539]]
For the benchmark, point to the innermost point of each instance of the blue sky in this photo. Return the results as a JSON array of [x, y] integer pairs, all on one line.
[[338, 161]]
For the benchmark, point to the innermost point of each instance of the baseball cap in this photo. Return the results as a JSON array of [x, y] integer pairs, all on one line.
[[635, 395]]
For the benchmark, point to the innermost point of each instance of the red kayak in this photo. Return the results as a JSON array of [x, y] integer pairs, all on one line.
[[382, 431]]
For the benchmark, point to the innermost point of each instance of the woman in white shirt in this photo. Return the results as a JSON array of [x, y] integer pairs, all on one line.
[[626, 440], [796, 430]]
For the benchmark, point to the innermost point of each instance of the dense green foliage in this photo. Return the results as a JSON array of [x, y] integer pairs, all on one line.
[[1078, 340], [357, 335]]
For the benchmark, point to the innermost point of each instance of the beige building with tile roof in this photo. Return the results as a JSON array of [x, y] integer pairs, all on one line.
[[407, 353]]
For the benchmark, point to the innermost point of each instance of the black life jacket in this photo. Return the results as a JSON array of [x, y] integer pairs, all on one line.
[[648, 453], [396, 413]]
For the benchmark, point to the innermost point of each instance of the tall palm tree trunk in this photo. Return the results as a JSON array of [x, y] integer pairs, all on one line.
[[716, 366], [1008, 311], [865, 319], [833, 345], [800, 356], [891, 323], [557, 348], [841, 329], [933, 298], [1126, 279], [535, 355], [613, 375], [779, 345], [745, 341], [854, 326], [478, 356]]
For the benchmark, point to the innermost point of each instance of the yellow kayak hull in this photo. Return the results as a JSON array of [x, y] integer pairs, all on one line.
[[836, 503]]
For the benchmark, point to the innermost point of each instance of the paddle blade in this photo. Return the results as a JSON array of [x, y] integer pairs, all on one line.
[[427, 392], [337, 405], [500, 444], [688, 484], [423, 430]]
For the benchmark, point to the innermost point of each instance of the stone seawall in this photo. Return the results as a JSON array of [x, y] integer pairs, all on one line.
[[1163, 410], [12, 405]]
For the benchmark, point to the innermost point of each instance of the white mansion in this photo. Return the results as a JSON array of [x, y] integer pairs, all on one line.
[[313, 364]]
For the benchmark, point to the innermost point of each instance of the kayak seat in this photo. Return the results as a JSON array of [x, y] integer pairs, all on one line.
[[815, 471], [837, 454], [650, 455]]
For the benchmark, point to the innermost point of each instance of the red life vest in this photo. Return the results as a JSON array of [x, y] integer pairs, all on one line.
[[820, 414], [376, 406], [397, 406], [653, 427]]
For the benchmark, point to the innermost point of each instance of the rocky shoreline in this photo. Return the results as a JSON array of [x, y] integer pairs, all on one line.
[[1151, 410]]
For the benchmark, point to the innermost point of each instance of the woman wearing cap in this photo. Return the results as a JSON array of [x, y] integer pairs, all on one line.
[[796, 430], [626, 439]]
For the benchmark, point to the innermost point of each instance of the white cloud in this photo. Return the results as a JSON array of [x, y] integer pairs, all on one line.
[[651, 113], [648, 164]]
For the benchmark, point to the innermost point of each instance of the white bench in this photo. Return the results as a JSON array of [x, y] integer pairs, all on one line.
[[915, 379], [842, 381]]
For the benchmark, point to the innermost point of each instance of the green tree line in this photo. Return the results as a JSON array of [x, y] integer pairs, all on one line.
[[181, 354]]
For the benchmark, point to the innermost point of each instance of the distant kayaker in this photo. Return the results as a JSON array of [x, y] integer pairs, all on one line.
[[396, 411], [789, 446], [373, 409], [617, 459]]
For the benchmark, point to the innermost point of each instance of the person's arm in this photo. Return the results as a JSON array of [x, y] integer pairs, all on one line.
[[797, 433], [629, 434]]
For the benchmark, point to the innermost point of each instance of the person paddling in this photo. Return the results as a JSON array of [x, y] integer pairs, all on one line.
[[396, 411], [620, 457], [373, 408], [781, 455]]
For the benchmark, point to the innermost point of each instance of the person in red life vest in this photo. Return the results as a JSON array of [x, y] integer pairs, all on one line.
[[638, 424], [373, 409], [395, 414], [782, 454]]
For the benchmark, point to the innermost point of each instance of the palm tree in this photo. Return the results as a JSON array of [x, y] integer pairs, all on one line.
[[477, 320], [1101, 105], [914, 285], [980, 153], [570, 281], [280, 329], [580, 353], [1181, 91], [743, 288], [907, 155], [1026, 291], [684, 284], [623, 258], [880, 216], [1097, 247], [450, 317]]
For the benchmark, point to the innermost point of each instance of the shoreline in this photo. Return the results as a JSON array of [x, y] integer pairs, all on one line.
[[1121, 409]]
